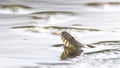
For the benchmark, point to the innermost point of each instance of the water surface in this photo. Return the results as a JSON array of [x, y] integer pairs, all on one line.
[[30, 28]]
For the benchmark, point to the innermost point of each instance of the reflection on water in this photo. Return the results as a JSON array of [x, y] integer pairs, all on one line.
[[48, 14], [103, 3], [106, 6], [13, 9], [76, 25], [53, 17], [108, 42], [55, 30]]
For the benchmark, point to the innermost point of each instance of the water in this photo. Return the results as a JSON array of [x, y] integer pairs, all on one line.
[[29, 29]]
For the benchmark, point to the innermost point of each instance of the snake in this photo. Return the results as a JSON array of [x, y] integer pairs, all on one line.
[[72, 47]]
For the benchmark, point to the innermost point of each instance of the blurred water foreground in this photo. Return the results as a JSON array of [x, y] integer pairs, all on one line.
[[30, 30]]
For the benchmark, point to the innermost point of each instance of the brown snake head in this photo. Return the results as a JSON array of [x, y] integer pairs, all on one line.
[[72, 47]]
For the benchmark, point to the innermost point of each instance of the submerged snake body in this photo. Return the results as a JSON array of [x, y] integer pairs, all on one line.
[[72, 47]]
